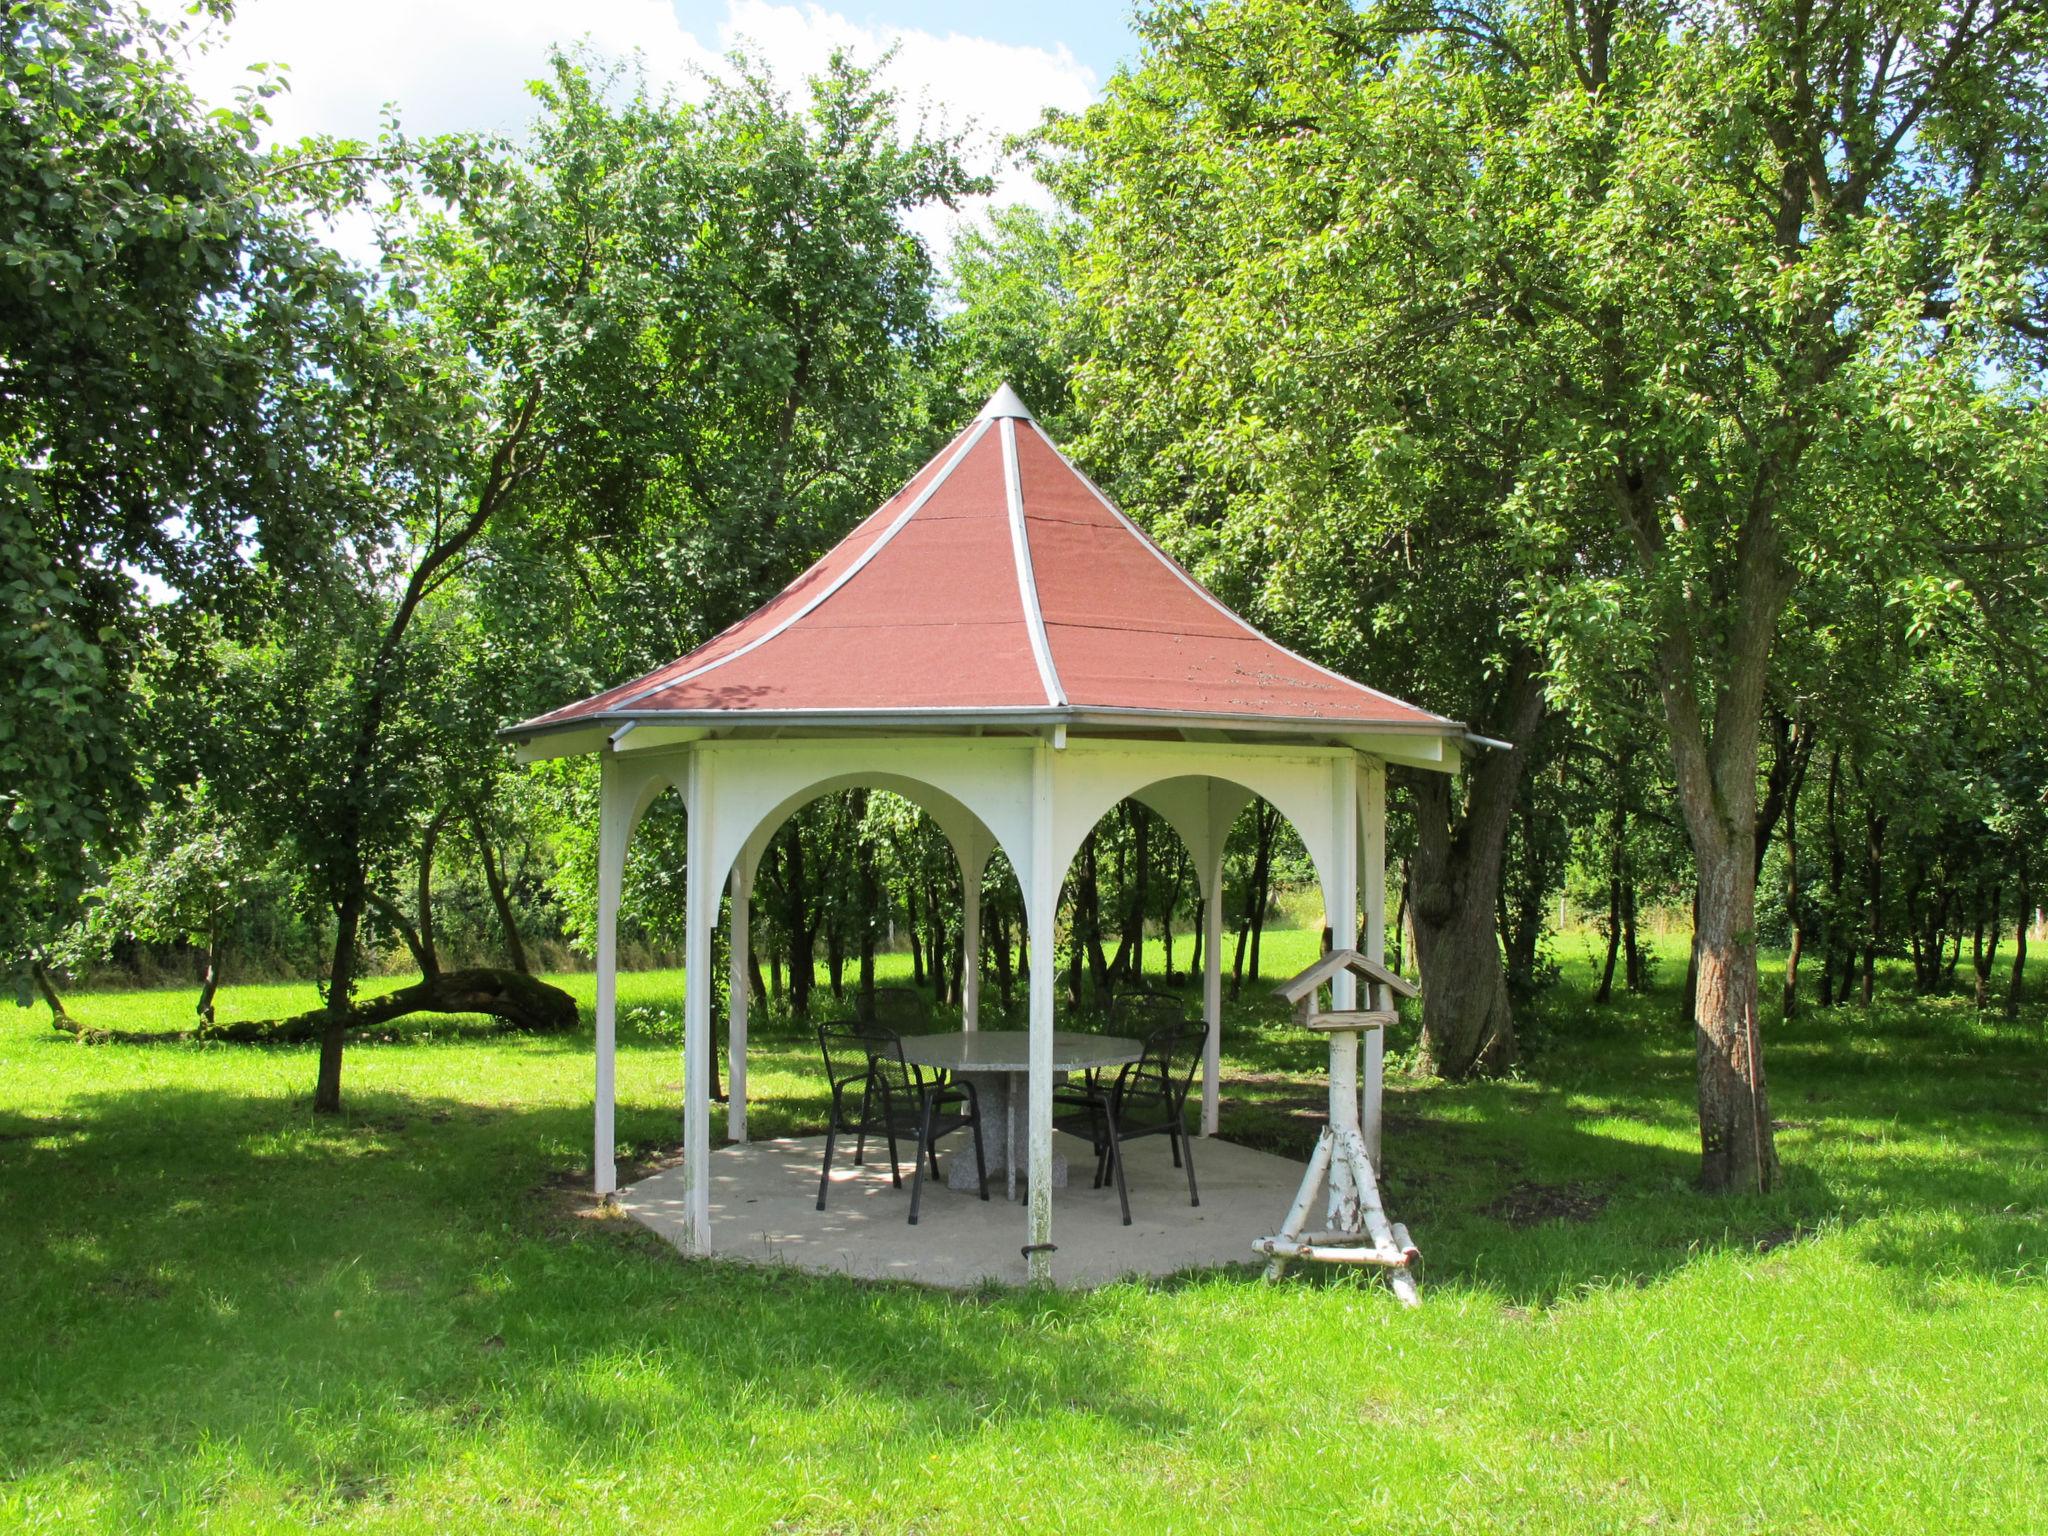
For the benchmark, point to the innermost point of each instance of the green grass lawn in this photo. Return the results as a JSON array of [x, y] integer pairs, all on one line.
[[221, 1313]]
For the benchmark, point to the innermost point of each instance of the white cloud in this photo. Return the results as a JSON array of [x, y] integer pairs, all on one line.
[[451, 65], [989, 89]]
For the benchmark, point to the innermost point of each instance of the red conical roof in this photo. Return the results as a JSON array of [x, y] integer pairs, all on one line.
[[998, 582]]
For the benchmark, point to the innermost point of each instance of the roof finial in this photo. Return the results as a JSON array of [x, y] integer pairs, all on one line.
[[1004, 402]]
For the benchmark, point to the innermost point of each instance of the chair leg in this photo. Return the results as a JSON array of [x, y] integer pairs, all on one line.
[[924, 1137], [825, 1173], [1115, 1153], [889, 1124], [860, 1148], [1194, 1198]]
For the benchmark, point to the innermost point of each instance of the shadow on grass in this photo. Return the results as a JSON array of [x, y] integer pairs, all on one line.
[[237, 1268], [352, 1301]]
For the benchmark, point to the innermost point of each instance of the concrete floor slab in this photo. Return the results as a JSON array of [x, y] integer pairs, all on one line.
[[764, 1210]]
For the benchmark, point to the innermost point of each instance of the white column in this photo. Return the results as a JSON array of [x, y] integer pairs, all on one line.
[[700, 913], [1041, 902], [1340, 911], [1212, 987], [614, 828], [972, 864], [736, 1003], [1372, 874]]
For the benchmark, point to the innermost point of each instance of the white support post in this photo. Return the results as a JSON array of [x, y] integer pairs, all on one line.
[[1372, 836], [736, 1002], [1340, 911], [700, 914], [614, 827], [1042, 899], [1212, 989]]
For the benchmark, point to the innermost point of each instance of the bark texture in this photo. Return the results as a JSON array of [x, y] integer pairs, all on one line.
[[1468, 1024]]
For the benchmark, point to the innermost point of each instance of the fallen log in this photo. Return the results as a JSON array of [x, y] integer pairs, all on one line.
[[521, 1002]]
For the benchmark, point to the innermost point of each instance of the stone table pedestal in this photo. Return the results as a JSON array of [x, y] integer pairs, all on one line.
[[997, 1063]]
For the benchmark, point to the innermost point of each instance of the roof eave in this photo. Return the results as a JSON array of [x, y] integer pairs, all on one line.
[[604, 725]]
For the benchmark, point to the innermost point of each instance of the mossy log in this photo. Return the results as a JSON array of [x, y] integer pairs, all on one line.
[[520, 1001]]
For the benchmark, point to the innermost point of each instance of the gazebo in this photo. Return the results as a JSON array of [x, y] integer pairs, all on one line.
[[1000, 645]]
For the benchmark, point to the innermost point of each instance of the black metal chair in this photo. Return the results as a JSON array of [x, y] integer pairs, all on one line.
[[1148, 1097], [1141, 1010], [896, 1096], [1093, 1116]]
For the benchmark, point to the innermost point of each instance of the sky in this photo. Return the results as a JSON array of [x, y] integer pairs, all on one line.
[[452, 65]]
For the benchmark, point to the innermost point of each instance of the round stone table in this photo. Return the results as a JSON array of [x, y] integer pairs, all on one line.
[[998, 1063]]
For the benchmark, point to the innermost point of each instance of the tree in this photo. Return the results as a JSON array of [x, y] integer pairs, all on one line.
[[1711, 263], [660, 336], [163, 302], [1014, 319], [184, 884], [1236, 304]]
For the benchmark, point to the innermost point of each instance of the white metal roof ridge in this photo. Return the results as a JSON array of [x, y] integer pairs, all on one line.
[[1211, 598], [1027, 580]]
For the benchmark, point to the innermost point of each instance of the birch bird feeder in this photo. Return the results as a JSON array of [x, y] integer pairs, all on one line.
[[1357, 1230]]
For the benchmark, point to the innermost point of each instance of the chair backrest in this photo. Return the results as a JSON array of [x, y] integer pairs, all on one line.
[[1166, 1068], [1146, 1012], [847, 1047]]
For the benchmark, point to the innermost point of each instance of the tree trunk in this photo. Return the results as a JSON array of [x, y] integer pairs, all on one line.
[[1834, 931], [60, 1019], [1091, 928], [209, 973], [1616, 852], [1873, 927], [1468, 1024], [1262, 879], [501, 898], [1738, 1151], [1397, 931], [935, 921], [797, 923], [523, 1001], [1141, 890], [911, 932], [1636, 971], [428, 953], [1794, 908], [870, 894], [341, 982], [376, 901], [1005, 977], [2025, 910], [1522, 919], [1983, 958], [1689, 995], [1252, 928]]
